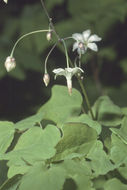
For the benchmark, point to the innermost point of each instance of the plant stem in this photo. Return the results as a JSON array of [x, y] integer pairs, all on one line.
[[86, 98], [33, 32], [49, 55], [59, 39], [50, 20], [66, 53], [85, 94]]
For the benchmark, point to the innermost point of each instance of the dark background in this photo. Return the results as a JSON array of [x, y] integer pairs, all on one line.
[[22, 91]]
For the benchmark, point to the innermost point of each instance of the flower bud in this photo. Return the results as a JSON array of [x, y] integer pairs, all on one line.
[[49, 35], [46, 79], [10, 63]]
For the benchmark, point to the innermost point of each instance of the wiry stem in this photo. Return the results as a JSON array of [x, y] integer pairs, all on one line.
[[48, 56], [25, 35], [86, 98], [50, 20], [66, 53]]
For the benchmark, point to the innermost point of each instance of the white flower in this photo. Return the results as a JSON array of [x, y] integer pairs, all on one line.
[[10, 63], [84, 41], [68, 73]]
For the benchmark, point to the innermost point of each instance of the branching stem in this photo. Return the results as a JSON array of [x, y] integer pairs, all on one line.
[[59, 39]]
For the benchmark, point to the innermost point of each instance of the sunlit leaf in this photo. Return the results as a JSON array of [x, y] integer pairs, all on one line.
[[33, 145], [11, 184], [77, 140], [99, 161], [39, 177], [106, 112], [122, 132], [79, 172], [86, 119], [6, 135], [114, 183], [29, 122], [61, 105], [118, 150]]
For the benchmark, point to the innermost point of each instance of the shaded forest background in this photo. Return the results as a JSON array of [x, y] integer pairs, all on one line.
[[22, 91]]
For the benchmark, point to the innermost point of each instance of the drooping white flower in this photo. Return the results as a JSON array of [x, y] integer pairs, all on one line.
[[68, 73], [85, 41], [10, 63]]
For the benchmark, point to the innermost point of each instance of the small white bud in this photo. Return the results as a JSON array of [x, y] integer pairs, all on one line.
[[46, 79], [49, 35], [10, 63]]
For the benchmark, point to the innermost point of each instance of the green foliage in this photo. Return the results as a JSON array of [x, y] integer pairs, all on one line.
[[60, 147], [106, 112], [6, 135], [115, 184], [72, 157], [61, 106], [77, 141], [29, 122]]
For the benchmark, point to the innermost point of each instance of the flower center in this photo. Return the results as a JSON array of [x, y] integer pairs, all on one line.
[[81, 46]]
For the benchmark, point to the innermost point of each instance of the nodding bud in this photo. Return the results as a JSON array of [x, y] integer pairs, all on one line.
[[69, 85], [49, 35], [46, 79], [10, 63]]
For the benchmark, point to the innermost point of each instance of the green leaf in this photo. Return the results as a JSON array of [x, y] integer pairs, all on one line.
[[33, 145], [61, 105], [6, 135], [86, 119], [11, 184], [79, 172], [122, 132], [99, 182], [29, 122], [41, 178], [77, 140], [102, 165], [123, 171], [17, 169], [106, 112], [124, 111], [118, 153], [114, 183]]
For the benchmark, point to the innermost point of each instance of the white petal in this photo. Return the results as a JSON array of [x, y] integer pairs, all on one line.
[[92, 46], [58, 71], [75, 46], [77, 70], [69, 69], [78, 37], [69, 85], [80, 69], [86, 34], [94, 38]]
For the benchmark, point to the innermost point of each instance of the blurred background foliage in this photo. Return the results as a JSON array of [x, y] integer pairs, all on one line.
[[22, 91]]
